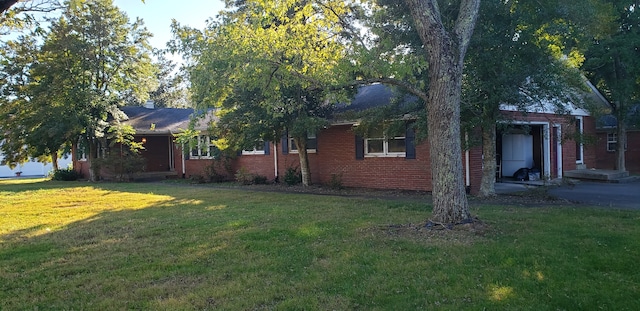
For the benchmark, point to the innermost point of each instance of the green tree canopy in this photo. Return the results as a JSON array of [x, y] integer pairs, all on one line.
[[270, 68], [613, 65], [90, 61]]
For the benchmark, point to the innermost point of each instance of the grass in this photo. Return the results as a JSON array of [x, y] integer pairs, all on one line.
[[110, 246]]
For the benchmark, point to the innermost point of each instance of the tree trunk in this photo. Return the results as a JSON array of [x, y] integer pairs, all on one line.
[[445, 49], [301, 144], [488, 183], [450, 204], [93, 169], [621, 132], [54, 160]]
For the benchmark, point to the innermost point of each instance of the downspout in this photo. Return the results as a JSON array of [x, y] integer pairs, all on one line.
[[275, 161], [184, 170], [467, 161]]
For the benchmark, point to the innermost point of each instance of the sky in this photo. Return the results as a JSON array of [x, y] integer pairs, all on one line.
[[157, 15]]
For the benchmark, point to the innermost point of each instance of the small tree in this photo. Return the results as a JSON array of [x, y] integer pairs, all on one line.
[[123, 159]]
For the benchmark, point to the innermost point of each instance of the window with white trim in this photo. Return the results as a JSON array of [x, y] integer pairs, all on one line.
[[612, 142], [312, 143], [377, 144], [205, 148], [258, 148], [579, 145]]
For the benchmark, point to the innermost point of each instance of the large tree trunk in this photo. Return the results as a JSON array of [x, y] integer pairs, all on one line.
[[488, 183], [54, 160], [445, 51], [301, 144], [621, 132], [450, 204]]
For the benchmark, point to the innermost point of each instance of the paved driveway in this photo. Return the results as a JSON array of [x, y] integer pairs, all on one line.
[[623, 195]]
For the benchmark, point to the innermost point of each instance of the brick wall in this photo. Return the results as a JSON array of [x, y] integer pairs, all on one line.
[[335, 155], [607, 159]]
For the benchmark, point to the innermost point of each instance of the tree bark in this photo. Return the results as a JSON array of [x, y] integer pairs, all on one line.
[[488, 183], [445, 53], [93, 154], [621, 132], [450, 205], [54, 160], [301, 144]]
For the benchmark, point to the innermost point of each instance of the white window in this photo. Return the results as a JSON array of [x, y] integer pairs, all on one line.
[[579, 145], [380, 145], [612, 142], [205, 148], [312, 143], [258, 148], [81, 154]]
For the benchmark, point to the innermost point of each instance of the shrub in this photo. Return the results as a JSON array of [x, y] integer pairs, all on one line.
[[259, 180], [244, 177], [121, 166], [336, 181], [67, 174], [292, 176], [213, 174]]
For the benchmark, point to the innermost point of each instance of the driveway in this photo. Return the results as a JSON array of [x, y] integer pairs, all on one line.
[[622, 195]]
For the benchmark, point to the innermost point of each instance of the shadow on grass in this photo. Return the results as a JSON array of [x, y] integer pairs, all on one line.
[[201, 248]]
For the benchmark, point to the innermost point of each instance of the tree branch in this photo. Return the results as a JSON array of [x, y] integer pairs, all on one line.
[[465, 24], [391, 81]]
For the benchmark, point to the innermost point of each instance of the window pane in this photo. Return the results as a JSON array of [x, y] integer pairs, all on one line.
[[312, 143], [397, 145], [375, 146]]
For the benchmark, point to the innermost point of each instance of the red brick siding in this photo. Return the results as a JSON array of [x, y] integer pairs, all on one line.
[[336, 155], [257, 164], [607, 159]]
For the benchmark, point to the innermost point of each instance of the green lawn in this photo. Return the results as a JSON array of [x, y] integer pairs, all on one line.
[[108, 246]]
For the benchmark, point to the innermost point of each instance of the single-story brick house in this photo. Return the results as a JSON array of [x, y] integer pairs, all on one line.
[[535, 140]]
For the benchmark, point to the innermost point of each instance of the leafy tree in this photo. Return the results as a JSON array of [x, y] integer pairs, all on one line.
[[514, 60], [172, 90], [269, 67], [444, 31], [613, 65], [90, 62], [124, 158]]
